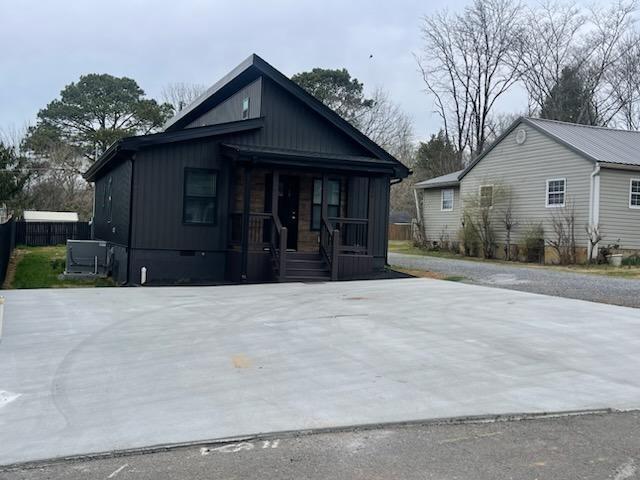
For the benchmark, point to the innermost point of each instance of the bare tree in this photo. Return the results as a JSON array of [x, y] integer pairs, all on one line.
[[467, 65], [480, 214], [509, 222], [388, 125], [563, 241], [592, 43], [549, 42], [595, 237], [181, 94], [625, 81]]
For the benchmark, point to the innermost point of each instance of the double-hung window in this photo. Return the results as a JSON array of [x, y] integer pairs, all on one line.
[[486, 196], [556, 192], [634, 193], [446, 200], [200, 196], [333, 201]]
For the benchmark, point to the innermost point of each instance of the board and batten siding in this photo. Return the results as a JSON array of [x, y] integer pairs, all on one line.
[[617, 219], [158, 198], [525, 169], [439, 225], [292, 125], [113, 228], [231, 109]]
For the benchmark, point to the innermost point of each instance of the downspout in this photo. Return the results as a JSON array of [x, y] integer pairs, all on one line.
[[129, 246], [594, 205]]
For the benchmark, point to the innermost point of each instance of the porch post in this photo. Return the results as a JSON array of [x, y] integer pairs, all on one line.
[[325, 196], [275, 174], [371, 216], [246, 209]]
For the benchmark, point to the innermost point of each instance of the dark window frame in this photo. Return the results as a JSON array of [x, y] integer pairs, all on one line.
[[339, 205], [185, 196]]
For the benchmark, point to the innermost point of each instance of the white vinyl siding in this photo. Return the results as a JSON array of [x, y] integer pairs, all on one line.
[[438, 223], [524, 170], [617, 220]]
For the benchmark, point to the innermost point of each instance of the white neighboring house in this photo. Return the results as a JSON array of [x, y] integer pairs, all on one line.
[[547, 166], [47, 216]]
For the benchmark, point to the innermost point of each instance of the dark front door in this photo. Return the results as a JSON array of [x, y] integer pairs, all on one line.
[[288, 196]]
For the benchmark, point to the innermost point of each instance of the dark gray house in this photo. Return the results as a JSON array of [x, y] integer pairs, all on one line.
[[255, 181]]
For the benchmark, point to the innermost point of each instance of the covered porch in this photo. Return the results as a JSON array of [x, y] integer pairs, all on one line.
[[299, 216]]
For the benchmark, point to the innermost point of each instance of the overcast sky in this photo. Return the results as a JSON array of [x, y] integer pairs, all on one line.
[[47, 44]]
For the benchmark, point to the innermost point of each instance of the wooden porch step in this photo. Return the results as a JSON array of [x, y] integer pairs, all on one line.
[[299, 278], [313, 264], [304, 256], [308, 272]]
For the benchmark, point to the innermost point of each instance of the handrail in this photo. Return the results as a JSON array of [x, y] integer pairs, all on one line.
[[349, 220]]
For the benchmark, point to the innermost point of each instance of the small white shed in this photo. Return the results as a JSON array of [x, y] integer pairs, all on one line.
[[46, 216]]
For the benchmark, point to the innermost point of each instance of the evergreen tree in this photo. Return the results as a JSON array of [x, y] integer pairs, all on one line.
[[569, 100]]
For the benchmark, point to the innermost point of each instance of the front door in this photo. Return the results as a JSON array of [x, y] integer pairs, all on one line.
[[288, 196]]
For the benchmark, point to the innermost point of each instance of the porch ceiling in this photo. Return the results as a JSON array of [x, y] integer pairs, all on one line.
[[309, 160]]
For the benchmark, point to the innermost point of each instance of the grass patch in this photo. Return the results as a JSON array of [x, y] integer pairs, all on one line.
[[454, 278], [40, 267], [630, 268]]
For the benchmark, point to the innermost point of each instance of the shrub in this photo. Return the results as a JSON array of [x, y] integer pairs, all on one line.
[[468, 237], [533, 243]]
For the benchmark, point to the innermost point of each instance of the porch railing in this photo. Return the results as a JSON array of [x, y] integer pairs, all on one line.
[[329, 246], [354, 234], [265, 232]]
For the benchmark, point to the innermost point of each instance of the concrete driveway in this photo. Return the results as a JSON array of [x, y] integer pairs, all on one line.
[[92, 370]]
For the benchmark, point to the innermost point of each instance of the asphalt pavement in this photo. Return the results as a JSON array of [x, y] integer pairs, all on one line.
[[596, 446]]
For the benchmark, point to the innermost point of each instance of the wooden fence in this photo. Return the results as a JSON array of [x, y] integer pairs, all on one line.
[[400, 231], [42, 234], [7, 236]]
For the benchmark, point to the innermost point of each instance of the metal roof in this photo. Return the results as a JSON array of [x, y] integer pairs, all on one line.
[[448, 180], [600, 144], [287, 157], [250, 69], [46, 216]]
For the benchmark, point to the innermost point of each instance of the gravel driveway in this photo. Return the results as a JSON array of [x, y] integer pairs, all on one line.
[[595, 288]]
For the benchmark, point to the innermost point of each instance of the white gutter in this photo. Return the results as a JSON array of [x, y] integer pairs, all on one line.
[[594, 204]]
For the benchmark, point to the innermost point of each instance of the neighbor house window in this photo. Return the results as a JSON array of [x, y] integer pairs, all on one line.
[[556, 192], [333, 201], [486, 196], [447, 200], [200, 196], [634, 193]]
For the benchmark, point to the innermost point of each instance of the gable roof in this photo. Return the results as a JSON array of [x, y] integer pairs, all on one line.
[[448, 180], [598, 144], [254, 67], [131, 144]]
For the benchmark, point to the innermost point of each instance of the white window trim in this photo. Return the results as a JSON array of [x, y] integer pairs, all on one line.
[[453, 199], [546, 196], [480, 187], [631, 180]]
